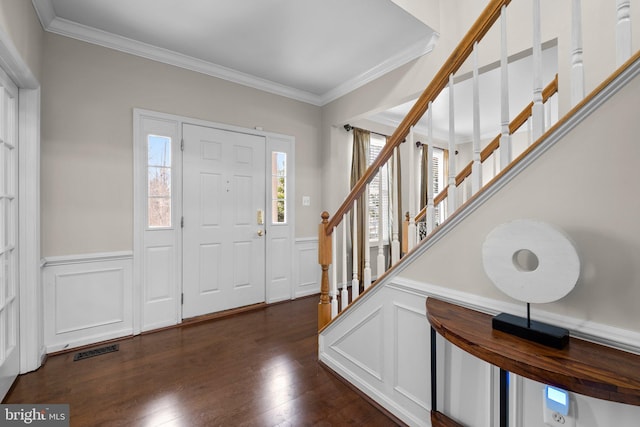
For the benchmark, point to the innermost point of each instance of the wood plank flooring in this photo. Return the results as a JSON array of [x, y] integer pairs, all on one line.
[[252, 369]]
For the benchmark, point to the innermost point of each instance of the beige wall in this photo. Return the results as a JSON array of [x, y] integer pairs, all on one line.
[[88, 96], [581, 186], [19, 20]]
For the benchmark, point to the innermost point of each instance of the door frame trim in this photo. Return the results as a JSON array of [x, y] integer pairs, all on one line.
[[139, 206], [31, 335]]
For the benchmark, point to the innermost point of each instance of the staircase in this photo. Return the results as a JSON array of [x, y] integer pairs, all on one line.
[[375, 334]]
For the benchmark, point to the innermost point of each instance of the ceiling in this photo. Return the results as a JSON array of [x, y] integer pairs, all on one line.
[[310, 50]]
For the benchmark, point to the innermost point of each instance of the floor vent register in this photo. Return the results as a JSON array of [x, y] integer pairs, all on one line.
[[95, 352]]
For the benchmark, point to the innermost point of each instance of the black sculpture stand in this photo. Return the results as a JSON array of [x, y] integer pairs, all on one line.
[[542, 333]]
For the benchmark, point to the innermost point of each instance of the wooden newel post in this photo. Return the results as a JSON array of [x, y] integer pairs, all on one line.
[[324, 259]]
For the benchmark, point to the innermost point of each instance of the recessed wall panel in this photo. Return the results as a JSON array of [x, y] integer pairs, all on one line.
[[210, 199], [243, 195], [88, 299], [210, 263], [211, 150], [243, 155], [412, 349], [280, 264], [242, 264], [159, 272]]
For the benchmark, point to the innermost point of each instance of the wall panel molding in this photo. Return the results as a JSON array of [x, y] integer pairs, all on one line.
[[88, 298], [84, 258], [307, 270], [467, 387]]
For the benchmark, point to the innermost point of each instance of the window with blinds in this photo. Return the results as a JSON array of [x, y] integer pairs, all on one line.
[[437, 169], [378, 194]]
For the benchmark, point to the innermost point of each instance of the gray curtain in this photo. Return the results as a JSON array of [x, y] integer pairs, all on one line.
[[359, 163]]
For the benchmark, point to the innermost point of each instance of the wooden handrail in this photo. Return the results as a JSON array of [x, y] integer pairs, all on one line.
[[457, 58], [516, 123]]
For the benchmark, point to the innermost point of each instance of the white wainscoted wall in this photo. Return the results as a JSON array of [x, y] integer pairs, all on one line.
[[384, 350], [88, 299], [306, 268]]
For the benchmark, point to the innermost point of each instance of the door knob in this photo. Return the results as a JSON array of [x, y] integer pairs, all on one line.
[[260, 233]]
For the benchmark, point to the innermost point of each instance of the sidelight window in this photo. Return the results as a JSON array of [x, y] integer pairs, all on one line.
[[158, 181], [278, 187]]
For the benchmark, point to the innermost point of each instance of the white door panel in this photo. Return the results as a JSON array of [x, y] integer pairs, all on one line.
[[223, 189]]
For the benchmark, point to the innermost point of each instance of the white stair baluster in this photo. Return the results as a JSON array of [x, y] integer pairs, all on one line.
[[412, 191], [380, 265], [430, 207], [505, 135], [537, 113], [623, 31], [395, 242], [451, 196], [345, 289], [366, 273], [476, 170], [334, 274], [577, 65], [355, 283]]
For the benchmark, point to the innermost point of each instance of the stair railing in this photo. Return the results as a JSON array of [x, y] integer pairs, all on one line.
[[329, 224], [426, 218], [447, 201]]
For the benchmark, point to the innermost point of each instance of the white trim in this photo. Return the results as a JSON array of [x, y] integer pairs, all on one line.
[[15, 67], [401, 58], [306, 240], [71, 29], [45, 12], [611, 336], [85, 258], [31, 333], [585, 329], [31, 301]]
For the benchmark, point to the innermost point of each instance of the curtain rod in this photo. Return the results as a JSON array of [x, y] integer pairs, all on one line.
[[348, 127]]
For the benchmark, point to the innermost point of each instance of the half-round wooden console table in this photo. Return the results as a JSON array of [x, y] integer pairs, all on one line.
[[581, 367]]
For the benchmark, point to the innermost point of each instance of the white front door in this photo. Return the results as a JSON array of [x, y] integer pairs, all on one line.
[[223, 209], [9, 344]]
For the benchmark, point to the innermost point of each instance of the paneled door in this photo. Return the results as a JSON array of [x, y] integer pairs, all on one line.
[[9, 347], [224, 215]]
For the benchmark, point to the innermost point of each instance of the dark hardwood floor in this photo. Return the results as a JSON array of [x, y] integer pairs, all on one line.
[[253, 369]]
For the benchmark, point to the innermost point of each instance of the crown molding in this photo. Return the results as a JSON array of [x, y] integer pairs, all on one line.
[[45, 12], [51, 23], [91, 35], [415, 51]]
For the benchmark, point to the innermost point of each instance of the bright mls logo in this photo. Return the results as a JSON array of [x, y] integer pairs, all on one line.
[[34, 415]]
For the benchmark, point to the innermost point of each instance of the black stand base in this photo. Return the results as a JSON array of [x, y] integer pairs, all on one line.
[[542, 333]]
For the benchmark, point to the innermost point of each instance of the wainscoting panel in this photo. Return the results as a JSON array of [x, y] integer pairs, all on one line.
[[159, 289], [390, 321], [87, 299], [411, 386], [307, 270], [382, 347]]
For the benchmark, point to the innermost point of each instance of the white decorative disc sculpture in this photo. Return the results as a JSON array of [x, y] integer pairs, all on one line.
[[531, 261]]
